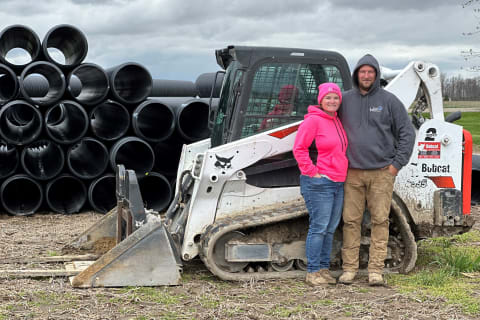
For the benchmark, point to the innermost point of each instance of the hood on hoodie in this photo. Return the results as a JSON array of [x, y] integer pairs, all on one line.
[[369, 60]]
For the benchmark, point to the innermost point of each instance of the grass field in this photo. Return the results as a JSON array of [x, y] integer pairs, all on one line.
[[470, 121]]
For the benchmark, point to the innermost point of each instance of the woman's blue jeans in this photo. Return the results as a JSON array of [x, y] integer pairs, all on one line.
[[324, 202]]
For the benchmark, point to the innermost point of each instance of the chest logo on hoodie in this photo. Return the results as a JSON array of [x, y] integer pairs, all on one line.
[[376, 109]]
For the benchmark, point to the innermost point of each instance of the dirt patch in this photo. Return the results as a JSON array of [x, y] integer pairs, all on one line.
[[200, 295]]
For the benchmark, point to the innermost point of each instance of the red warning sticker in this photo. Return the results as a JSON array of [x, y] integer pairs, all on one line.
[[428, 150]]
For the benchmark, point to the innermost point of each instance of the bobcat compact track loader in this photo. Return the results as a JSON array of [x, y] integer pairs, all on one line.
[[237, 203]]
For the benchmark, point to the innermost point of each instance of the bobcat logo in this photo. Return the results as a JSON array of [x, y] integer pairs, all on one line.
[[223, 163]]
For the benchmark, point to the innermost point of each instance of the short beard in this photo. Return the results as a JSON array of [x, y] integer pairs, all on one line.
[[365, 88]]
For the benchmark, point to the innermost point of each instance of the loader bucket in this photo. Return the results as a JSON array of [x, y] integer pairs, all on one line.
[[144, 254]]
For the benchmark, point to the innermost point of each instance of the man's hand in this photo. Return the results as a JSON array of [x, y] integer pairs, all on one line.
[[393, 171]]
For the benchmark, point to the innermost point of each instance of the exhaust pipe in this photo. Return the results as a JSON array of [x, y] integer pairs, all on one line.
[[9, 159], [66, 122], [42, 160], [8, 84], [173, 88], [54, 77], [156, 191], [153, 121], [130, 83], [93, 82], [18, 37], [101, 193], [109, 120], [87, 159], [167, 157], [134, 153], [65, 46], [21, 195], [66, 194], [20, 122]]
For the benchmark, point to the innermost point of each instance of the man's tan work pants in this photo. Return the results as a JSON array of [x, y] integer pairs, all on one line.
[[374, 187]]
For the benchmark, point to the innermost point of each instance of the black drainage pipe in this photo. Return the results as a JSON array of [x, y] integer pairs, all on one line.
[[167, 156], [66, 194], [101, 193], [109, 120], [54, 77], [134, 153], [156, 191], [8, 84], [66, 122], [204, 84], [19, 37], [43, 159], [94, 84], [153, 121], [130, 83], [173, 88], [67, 40], [21, 195], [20, 122], [192, 120], [9, 159], [88, 158]]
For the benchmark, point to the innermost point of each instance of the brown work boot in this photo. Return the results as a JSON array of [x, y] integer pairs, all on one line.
[[327, 276], [347, 277], [375, 279], [315, 279]]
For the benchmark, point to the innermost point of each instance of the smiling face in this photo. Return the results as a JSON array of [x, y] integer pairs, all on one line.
[[330, 103], [366, 78]]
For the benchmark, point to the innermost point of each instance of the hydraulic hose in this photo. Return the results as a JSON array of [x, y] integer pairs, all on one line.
[[9, 159], [153, 121], [67, 40], [109, 120], [21, 195], [8, 84], [173, 88], [66, 122], [101, 193], [20, 122], [93, 81], [19, 37], [156, 191], [66, 194], [42, 160], [54, 77], [87, 159], [134, 153], [130, 83]]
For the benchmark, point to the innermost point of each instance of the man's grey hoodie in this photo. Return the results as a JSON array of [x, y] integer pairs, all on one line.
[[377, 124]]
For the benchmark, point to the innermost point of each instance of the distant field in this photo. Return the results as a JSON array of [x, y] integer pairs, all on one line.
[[470, 121], [461, 104]]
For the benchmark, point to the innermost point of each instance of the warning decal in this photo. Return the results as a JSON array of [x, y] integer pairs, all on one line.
[[428, 150]]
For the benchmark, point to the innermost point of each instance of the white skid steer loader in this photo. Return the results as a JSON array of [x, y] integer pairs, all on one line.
[[237, 203]]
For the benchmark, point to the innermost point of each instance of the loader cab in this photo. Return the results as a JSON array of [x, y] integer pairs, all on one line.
[[265, 88]]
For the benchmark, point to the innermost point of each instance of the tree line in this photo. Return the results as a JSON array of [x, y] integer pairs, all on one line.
[[460, 89]]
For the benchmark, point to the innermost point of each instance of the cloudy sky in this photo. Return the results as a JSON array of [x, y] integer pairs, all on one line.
[[176, 39]]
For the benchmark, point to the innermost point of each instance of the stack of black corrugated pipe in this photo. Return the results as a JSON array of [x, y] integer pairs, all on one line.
[[66, 124]]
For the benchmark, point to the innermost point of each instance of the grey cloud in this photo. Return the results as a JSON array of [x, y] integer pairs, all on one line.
[[403, 5]]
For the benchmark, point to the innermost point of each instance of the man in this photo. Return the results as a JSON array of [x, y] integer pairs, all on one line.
[[381, 138]]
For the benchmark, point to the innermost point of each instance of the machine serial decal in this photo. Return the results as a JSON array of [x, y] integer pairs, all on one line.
[[223, 163], [429, 150]]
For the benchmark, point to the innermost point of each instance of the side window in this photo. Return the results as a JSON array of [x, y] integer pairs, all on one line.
[[282, 92]]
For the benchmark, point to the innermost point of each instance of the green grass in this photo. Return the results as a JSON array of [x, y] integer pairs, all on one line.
[[440, 264], [470, 121]]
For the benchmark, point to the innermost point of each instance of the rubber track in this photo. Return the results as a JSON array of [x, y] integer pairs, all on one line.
[[239, 222]]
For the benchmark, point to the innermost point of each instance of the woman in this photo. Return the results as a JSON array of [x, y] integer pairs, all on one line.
[[321, 180]]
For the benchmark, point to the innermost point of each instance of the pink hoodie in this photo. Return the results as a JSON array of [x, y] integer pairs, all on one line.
[[330, 141]]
